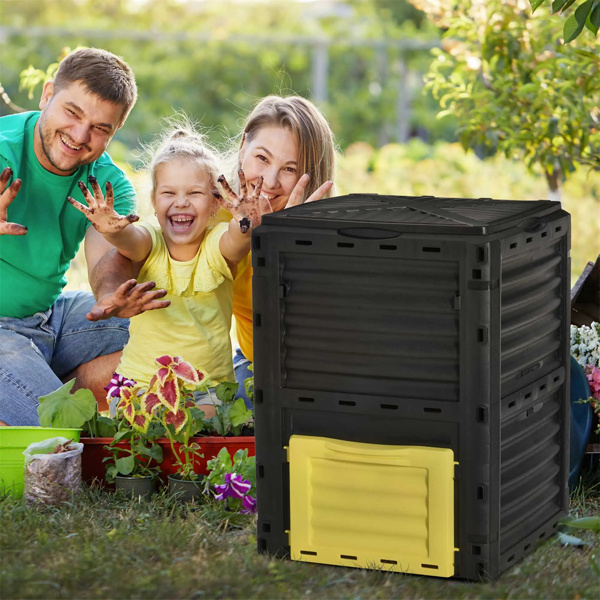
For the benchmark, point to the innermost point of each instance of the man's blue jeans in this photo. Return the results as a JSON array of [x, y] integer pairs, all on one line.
[[37, 351]]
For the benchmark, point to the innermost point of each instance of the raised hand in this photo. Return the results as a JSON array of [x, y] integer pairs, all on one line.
[[296, 196], [246, 209], [7, 195], [100, 212], [128, 300]]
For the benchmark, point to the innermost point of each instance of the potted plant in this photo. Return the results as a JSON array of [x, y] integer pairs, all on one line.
[[134, 455], [190, 438], [231, 427], [169, 401], [233, 480]]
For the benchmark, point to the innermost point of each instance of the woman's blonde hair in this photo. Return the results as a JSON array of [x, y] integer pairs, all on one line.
[[310, 128]]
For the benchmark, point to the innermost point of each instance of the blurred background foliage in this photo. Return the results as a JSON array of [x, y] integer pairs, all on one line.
[[363, 62], [360, 60]]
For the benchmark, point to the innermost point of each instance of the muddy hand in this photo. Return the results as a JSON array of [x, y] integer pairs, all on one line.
[[247, 209], [228, 199], [100, 211], [128, 300], [7, 195]]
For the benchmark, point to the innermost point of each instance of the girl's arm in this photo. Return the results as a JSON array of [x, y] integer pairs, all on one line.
[[247, 212], [134, 243]]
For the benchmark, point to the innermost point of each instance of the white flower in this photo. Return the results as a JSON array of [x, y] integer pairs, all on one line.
[[585, 344]]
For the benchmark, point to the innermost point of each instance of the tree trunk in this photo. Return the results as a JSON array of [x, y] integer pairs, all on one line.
[[553, 179]]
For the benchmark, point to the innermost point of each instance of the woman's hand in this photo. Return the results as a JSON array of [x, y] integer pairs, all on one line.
[[246, 209], [100, 212], [296, 196]]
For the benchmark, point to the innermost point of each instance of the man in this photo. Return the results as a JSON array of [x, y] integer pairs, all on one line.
[[45, 338]]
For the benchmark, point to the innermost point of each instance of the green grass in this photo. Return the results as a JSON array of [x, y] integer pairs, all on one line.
[[104, 546]]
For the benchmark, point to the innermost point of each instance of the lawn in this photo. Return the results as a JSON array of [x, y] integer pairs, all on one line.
[[105, 546]]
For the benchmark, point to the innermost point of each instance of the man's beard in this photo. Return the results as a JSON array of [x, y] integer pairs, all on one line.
[[47, 138]]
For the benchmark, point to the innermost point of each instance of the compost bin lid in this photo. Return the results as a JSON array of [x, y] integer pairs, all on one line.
[[426, 214]]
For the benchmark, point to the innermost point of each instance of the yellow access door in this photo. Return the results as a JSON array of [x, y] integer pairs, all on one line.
[[372, 506]]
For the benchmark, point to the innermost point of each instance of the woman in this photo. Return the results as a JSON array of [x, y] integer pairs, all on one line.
[[287, 142]]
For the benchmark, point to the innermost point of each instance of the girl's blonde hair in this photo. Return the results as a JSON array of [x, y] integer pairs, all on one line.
[[310, 128], [181, 139]]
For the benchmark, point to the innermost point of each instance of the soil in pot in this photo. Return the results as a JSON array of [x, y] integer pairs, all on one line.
[[136, 487], [186, 490]]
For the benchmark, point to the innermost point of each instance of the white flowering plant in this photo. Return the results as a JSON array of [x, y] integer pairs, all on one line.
[[585, 348]]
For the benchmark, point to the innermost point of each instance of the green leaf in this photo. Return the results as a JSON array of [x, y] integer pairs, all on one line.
[[217, 425], [535, 4], [125, 465], [224, 457], [575, 23], [106, 427], [226, 391], [111, 471], [62, 409], [197, 414], [526, 89], [593, 19], [239, 414], [122, 435], [561, 5], [156, 452], [249, 386], [589, 523], [240, 456]]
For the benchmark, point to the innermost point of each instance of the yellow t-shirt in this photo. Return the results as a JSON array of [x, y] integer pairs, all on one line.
[[242, 297], [197, 323], [242, 307]]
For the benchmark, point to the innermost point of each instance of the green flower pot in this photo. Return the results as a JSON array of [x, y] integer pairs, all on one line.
[[13, 441], [136, 487], [186, 490]]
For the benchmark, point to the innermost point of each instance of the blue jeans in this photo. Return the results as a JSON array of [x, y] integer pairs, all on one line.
[[37, 351], [241, 368]]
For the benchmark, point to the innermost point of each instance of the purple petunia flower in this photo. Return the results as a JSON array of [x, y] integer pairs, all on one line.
[[235, 486], [115, 385], [249, 505]]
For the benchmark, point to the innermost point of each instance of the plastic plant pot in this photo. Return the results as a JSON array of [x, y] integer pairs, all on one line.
[[186, 490], [136, 487], [13, 441]]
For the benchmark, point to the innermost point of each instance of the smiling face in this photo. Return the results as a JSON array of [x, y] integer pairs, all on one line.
[[273, 154], [74, 128], [183, 202]]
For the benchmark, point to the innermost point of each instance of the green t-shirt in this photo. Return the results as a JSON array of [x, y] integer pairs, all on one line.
[[33, 266]]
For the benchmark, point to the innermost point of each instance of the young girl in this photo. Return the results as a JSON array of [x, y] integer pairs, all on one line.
[[288, 147], [194, 262]]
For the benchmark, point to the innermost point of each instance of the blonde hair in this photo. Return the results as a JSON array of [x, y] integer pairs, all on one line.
[[310, 128], [180, 139]]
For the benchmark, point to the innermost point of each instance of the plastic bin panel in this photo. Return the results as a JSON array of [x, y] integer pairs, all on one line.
[[372, 505]]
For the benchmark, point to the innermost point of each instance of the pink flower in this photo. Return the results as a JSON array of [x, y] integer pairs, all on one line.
[[593, 376]]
